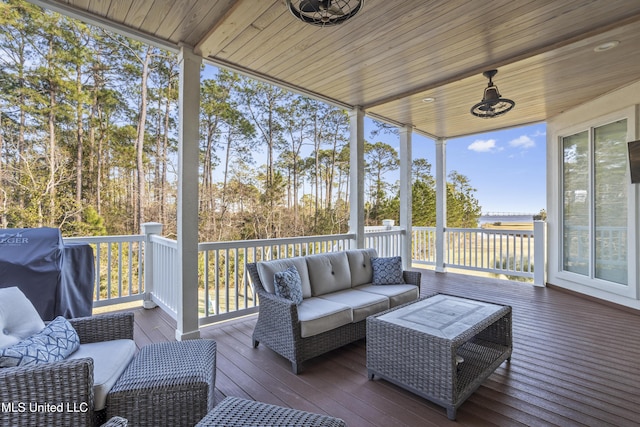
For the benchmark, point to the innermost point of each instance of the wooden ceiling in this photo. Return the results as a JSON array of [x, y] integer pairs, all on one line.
[[394, 54]]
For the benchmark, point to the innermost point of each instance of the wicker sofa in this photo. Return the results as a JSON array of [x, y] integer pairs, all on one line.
[[338, 295]]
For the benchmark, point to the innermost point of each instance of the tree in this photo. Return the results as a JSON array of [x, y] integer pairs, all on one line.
[[264, 106], [88, 136], [463, 209], [380, 158], [223, 126], [423, 191], [162, 124]]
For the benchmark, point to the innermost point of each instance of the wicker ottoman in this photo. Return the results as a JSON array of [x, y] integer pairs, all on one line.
[[236, 412], [169, 384]]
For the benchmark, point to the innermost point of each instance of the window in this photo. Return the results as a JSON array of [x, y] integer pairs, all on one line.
[[595, 200]]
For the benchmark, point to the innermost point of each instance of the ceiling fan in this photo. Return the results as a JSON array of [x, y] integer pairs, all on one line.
[[324, 12], [492, 104]]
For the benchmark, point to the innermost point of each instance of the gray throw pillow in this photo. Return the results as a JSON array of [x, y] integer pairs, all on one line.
[[55, 342], [387, 271], [288, 284]]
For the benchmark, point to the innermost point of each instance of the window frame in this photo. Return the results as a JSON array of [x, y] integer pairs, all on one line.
[[633, 221]]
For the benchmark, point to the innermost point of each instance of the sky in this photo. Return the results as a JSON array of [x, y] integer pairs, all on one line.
[[507, 168]]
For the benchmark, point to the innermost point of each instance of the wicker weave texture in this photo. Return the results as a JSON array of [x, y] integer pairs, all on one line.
[[168, 383], [279, 329], [236, 412], [105, 327], [67, 381], [426, 364]]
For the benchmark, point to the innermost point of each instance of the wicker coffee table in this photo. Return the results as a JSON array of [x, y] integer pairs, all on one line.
[[440, 347]]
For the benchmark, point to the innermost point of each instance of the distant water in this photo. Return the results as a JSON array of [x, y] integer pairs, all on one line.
[[490, 218]]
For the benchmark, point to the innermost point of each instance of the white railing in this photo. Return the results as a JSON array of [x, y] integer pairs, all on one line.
[[118, 268], [127, 266], [508, 252], [224, 286], [423, 245], [502, 251], [164, 258], [387, 241]]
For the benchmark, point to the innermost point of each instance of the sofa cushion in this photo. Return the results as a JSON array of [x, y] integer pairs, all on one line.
[[18, 317], [267, 270], [363, 304], [317, 315], [360, 266], [54, 342], [387, 270], [110, 359], [288, 284], [397, 294], [328, 273]]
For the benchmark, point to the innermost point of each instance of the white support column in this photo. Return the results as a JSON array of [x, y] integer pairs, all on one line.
[[539, 253], [406, 161], [148, 229], [356, 176], [441, 203], [188, 161]]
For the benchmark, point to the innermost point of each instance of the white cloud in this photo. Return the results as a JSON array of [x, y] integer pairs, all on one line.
[[539, 133], [483, 146], [522, 142]]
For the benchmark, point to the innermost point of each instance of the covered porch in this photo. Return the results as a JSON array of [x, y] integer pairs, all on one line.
[[574, 363], [575, 358], [418, 66]]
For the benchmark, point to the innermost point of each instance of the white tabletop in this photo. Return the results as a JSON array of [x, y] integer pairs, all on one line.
[[442, 316]]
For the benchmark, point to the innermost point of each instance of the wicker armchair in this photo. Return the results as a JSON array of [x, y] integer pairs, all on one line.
[[279, 329], [67, 382]]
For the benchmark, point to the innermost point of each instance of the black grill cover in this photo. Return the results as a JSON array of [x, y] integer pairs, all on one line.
[[57, 278]]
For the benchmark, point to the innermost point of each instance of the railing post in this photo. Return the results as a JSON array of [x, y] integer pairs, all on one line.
[[149, 228], [539, 253]]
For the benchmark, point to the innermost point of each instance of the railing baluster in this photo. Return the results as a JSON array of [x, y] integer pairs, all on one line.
[[464, 245]]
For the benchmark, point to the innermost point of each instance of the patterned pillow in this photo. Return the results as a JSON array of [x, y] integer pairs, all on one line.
[[387, 271], [55, 342], [288, 284]]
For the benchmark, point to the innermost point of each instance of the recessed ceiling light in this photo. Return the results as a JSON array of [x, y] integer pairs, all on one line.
[[428, 100], [606, 46]]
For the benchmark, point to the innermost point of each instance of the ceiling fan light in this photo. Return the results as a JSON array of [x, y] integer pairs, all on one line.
[[324, 13], [491, 94], [492, 104]]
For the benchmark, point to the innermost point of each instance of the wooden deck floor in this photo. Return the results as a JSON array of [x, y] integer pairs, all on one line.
[[575, 362]]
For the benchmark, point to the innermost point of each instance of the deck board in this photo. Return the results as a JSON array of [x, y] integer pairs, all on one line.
[[576, 361]]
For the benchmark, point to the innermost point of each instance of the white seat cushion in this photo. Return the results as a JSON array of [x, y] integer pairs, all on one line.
[[110, 359], [363, 304], [18, 317], [397, 294], [319, 315]]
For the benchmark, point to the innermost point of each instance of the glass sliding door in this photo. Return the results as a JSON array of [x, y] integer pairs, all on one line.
[[595, 200], [576, 208], [610, 202]]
